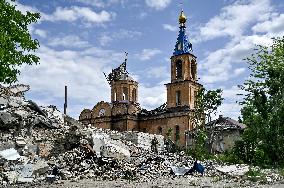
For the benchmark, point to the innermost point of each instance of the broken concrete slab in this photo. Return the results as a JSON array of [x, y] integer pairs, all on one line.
[[10, 154], [54, 115], [99, 141], [107, 147], [233, 170], [115, 151], [25, 170], [41, 167], [180, 171], [20, 141], [25, 180]]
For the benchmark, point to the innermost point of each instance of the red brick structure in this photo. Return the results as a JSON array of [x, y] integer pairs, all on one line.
[[124, 112]]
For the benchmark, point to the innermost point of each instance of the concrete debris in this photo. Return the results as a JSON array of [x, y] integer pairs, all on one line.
[[25, 170], [234, 170], [10, 154], [25, 180], [40, 167], [11, 176], [180, 171], [20, 141], [39, 144]]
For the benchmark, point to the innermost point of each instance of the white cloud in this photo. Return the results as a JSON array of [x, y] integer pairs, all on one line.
[[157, 72], [219, 65], [234, 18], [24, 8], [230, 107], [170, 27], [82, 71], [107, 37], [239, 71], [158, 4], [68, 41], [74, 13], [152, 97], [40, 32], [148, 54], [71, 14], [275, 25], [100, 3], [104, 39]]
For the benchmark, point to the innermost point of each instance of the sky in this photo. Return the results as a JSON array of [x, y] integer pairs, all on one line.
[[81, 39]]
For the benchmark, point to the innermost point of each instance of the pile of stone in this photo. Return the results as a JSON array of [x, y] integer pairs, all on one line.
[[39, 144]]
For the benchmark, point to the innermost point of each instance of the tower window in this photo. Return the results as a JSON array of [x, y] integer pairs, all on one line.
[[134, 95], [115, 96], [125, 94], [160, 130], [178, 98], [102, 112], [178, 69], [193, 69]]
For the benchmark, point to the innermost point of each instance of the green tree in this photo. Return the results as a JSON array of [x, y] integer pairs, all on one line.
[[263, 107], [206, 105], [16, 43]]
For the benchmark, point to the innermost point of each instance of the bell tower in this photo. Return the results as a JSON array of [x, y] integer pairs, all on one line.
[[123, 87], [183, 87]]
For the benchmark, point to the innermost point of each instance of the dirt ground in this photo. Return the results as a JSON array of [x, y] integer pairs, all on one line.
[[177, 182]]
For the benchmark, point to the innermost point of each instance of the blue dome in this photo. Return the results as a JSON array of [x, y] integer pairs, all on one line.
[[183, 46]]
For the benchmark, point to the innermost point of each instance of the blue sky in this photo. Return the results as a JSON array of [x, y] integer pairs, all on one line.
[[81, 39]]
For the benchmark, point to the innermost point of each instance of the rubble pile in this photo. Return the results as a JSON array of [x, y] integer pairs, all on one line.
[[39, 144]]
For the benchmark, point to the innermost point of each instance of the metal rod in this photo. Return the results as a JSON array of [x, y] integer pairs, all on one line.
[[65, 102]]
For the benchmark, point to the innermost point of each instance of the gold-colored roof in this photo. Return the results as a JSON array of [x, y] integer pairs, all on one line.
[[182, 18]]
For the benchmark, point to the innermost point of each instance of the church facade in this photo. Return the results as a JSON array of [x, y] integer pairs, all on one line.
[[172, 119]]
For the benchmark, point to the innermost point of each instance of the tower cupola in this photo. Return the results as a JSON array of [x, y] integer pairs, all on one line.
[[183, 46], [123, 87]]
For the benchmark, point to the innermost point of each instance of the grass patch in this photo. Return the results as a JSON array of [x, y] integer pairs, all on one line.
[[228, 157], [281, 172], [255, 175]]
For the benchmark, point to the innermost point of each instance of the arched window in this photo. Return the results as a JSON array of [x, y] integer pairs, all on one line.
[[160, 130], [115, 96], [178, 69], [134, 95], [125, 94], [178, 98], [102, 112], [177, 136]]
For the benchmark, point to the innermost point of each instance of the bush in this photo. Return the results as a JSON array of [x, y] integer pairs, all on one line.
[[255, 174], [229, 157]]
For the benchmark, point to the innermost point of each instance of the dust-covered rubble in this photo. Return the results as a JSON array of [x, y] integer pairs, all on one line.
[[40, 144]]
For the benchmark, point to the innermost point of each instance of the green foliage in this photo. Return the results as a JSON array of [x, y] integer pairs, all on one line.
[[281, 172], [16, 43], [199, 150], [229, 157], [263, 107], [206, 104], [169, 133], [255, 175]]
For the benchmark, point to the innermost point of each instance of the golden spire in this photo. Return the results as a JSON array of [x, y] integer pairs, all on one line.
[[182, 18]]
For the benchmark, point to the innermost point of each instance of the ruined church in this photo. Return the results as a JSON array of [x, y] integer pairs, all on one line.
[[124, 113]]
